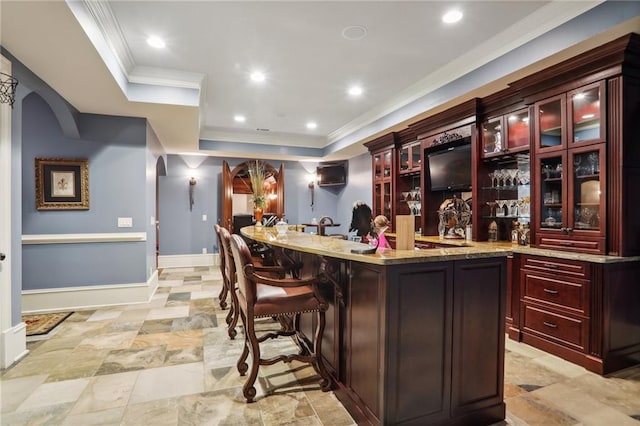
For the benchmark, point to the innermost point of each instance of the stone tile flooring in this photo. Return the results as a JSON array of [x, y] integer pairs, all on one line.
[[170, 362]]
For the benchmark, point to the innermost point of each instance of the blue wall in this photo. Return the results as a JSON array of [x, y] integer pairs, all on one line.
[[116, 151], [183, 231]]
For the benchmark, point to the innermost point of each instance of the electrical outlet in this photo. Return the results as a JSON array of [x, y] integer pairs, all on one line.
[[204, 250], [125, 222]]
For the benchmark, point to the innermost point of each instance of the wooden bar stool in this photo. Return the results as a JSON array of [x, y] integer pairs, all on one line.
[[222, 297], [261, 296]]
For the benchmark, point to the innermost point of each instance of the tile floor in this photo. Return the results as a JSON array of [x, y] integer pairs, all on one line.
[[170, 362]]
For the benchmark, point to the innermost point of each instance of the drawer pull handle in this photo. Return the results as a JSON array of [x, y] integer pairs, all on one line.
[[549, 291], [551, 266], [550, 324]]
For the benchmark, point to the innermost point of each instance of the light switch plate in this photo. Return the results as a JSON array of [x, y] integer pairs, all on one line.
[[204, 217], [125, 222]]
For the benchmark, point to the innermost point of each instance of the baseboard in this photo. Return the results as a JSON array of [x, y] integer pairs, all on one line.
[[79, 298], [14, 344], [188, 260]]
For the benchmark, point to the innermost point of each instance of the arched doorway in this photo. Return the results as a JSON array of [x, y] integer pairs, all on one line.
[[236, 181]]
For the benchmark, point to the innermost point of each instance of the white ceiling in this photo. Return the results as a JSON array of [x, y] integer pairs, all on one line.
[[94, 53]]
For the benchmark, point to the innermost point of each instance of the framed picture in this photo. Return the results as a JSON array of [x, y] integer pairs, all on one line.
[[62, 184]]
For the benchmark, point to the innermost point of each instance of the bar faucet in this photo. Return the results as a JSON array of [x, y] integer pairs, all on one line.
[[324, 221]]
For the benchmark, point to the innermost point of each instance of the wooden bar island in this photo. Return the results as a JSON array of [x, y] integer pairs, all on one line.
[[412, 337]]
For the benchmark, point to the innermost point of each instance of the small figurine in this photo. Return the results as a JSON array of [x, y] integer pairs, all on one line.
[[493, 232]]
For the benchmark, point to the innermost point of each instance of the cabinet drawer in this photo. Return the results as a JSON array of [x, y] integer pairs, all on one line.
[[562, 329], [585, 246], [565, 294], [561, 267]]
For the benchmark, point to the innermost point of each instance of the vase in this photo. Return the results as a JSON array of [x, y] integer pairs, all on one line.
[[257, 214]]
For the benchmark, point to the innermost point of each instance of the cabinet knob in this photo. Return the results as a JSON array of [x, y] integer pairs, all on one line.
[[2, 256]]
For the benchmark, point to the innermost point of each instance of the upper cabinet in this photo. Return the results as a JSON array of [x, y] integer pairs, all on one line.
[[587, 118], [383, 156], [410, 158], [570, 119], [506, 134], [383, 183]]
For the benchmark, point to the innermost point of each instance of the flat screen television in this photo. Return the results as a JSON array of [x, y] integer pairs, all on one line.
[[450, 169], [332, 174]]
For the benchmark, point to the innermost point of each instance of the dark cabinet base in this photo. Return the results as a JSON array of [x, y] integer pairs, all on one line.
[[424, 343], [586, 313]]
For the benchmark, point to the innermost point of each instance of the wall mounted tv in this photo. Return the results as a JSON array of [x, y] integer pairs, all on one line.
[[450, 169], [332, 174]]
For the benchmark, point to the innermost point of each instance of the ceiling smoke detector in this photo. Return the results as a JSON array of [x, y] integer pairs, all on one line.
[[354, 32]]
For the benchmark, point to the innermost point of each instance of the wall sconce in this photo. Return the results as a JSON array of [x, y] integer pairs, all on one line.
[[312, 186], [192, 184]]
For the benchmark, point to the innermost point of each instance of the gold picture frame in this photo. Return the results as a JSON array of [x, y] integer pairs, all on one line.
[[62, 184]]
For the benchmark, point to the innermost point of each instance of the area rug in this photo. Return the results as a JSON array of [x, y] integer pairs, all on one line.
[[41, 324]]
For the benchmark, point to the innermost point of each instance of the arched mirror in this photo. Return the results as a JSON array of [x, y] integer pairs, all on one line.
[[237, 204]]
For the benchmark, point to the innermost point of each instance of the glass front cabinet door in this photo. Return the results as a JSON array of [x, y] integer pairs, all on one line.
[[383, 183], [507, 134], [587, 117], [570, 199], [409, 158]]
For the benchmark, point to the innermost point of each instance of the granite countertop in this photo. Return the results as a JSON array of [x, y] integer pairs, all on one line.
[[454, 250], [341, 249], [511, 248]]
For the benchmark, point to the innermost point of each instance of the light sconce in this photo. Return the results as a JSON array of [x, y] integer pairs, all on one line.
[[192, 184], [312, 186], [8, 86]]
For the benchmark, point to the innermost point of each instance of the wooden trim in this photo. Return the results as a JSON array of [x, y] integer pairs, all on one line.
[[115, 237]]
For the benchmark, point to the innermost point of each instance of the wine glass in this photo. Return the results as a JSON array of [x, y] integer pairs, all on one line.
[[492, 207], [501, 205], [492, 176], [594, 163], [513, 207], [512, 173], [499, 174], [577, 169]]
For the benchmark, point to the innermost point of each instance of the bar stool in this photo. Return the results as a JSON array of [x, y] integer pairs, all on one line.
[[260, 296], [222, 297]]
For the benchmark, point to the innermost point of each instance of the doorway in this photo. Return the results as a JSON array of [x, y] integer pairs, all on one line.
[[236, 181]]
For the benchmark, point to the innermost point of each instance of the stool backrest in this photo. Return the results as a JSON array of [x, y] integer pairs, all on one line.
[[241, 258], [223, 267]]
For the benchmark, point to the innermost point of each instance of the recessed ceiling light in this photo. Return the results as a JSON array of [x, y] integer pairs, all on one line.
[[156, 42], [240, 118], [452, 16], [355, 90], [311, 125], [257, 76]]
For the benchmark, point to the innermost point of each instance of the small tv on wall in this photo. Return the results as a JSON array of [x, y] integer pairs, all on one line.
[[450, 169], [332, 174]]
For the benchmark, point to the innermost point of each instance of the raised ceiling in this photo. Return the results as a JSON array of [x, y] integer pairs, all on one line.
[[95, 54]]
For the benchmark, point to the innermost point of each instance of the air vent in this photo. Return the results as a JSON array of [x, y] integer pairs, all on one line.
[[260, 129]]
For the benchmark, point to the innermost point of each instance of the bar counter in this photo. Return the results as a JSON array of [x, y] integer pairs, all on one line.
[[413, 336], [341, 249]]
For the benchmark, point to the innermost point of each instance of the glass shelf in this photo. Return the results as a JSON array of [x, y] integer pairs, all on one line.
[[506, 217], [504, 188]]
